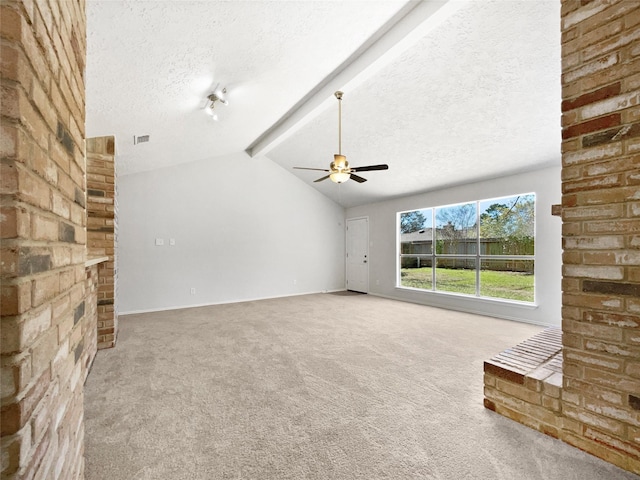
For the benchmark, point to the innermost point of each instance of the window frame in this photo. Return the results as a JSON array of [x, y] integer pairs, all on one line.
[[477, 258]]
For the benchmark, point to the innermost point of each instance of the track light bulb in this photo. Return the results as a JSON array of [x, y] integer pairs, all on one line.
[[216, 96], [221, 96]]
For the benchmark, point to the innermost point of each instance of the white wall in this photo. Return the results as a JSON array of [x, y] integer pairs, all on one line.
[[244, 229], [383, 257]]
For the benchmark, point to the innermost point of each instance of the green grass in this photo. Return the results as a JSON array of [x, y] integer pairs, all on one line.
[[493, 283]]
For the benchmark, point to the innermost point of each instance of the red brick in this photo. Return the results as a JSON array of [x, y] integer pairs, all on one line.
[[614, 43], [11, 23], [591, 126], [15, 415], [604, 272], [16, 299], [627, 163], [618, 320], [611, 380], [594, 242], [593, 330], [593, 419], [43, 352], [595, 448], [608, 227], [615, 443], [592, 154], [610, 105], [10, 262], [568, 6], [633, 370], [33, 190], [588, 69], [613, 10], [609, 410], [17, 450], [14, 222], [574, 15], [44, 228], [594, 212], [606, 77], [45, 288], [594, 183]]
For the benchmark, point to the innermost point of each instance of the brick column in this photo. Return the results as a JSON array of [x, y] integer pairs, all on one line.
[[44, 359], [601, 228], [101, 231]]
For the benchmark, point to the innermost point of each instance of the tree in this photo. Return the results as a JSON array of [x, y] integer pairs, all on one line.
[[513, 225], [454, 225], [493, 221], [411, 221]]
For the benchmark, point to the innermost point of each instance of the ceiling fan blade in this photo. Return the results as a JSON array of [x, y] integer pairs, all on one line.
[[357, 178], [369, 168], [322, 178], [316, 169]]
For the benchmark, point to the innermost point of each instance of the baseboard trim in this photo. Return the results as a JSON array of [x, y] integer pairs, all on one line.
[[254, 299], [466, 310]]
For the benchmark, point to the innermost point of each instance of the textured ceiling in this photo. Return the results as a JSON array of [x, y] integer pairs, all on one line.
[[473, 94], [150, 65]]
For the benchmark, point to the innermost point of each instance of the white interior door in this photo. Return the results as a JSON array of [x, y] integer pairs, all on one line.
[[358, 254]]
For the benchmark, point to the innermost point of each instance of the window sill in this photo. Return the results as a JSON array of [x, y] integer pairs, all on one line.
[[486, 300]]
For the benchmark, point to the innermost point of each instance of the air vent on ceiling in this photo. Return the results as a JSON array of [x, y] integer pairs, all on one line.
[[140, 139]]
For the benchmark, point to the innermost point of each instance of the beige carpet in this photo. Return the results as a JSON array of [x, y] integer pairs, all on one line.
[[312, 387]]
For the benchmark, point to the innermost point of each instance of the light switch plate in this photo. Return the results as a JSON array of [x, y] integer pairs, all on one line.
[[172, 241]]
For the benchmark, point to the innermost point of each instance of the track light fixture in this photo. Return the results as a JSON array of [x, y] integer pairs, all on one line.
[[218, 96]]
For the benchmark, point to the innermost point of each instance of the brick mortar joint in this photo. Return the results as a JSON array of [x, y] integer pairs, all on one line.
[[16, 84], [33, 174], [35, 210], [27, 279], [22, 394], [617, 79], [42, 244], [525, 389]]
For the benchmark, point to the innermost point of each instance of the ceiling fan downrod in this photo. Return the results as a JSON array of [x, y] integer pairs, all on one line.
[[338, 95], [339, 170]]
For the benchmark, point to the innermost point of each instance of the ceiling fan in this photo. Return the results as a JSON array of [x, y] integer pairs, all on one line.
[[339, 170]]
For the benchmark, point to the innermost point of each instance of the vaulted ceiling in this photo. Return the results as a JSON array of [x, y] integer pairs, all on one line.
[[444, 92]]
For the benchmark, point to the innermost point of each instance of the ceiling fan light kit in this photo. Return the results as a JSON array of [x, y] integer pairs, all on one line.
[[339, 170]]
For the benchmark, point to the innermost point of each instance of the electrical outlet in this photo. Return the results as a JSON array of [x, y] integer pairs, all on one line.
[[159, 241], [193, 291], [172, 241]]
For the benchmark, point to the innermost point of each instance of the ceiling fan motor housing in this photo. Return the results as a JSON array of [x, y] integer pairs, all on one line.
[[339, 170], [339, 163]]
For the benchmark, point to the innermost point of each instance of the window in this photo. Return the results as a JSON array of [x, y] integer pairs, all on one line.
[[483, 248]]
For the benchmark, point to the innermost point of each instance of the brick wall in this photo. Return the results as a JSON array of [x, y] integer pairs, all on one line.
[[89, 345], [45, 326], [101, 231], [601, 228], [524, 382]]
